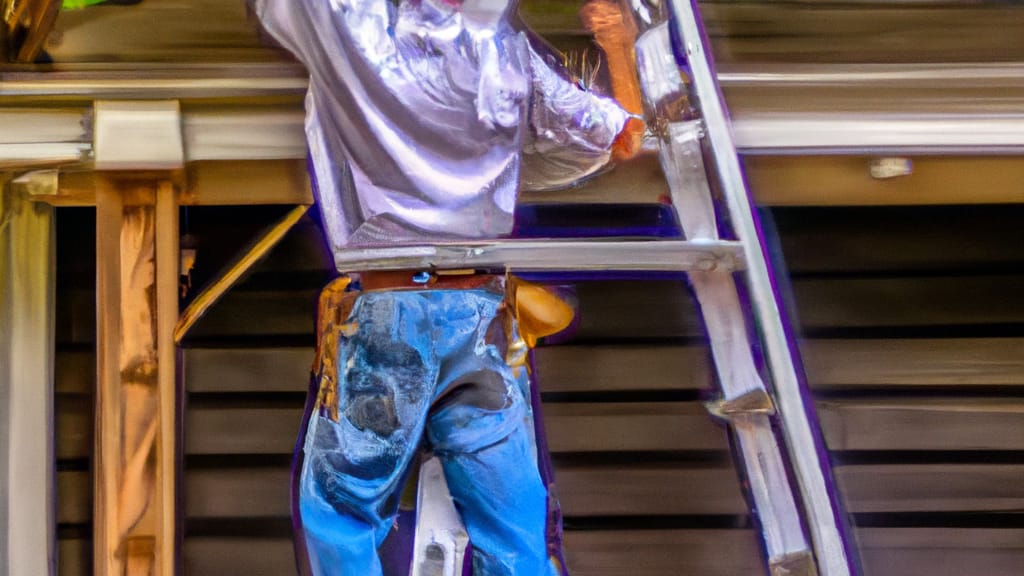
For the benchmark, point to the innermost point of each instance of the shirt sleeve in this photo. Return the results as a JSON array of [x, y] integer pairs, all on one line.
[[282, 19], [571, 129]]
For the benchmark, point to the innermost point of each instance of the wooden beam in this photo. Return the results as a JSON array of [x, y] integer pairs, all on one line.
[[616, 489], [107, 454], [658, 551], [167, 279], [611, 427], [922, 362], [941, 424], [847, 181], [949, 363], [137, 265], [774, 181], [207, 183]]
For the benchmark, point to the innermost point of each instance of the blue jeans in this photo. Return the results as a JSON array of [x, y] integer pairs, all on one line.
[[424, 362]]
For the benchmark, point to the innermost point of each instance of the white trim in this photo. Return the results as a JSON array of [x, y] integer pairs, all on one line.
[[26, 346]]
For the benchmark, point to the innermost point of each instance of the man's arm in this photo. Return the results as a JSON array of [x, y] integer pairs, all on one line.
[[571, 130], [574, 132], [616, 33]]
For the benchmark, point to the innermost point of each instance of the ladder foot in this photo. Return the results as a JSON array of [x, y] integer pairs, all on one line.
[[752, 402], [795, 564]]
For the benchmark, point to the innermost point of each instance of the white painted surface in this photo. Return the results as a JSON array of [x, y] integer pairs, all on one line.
[[26, 379]]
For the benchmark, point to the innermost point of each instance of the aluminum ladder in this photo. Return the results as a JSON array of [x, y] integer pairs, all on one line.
[[666, 53], [774, 427]]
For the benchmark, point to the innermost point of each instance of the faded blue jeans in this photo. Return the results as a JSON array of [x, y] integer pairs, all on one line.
[[424, 362]]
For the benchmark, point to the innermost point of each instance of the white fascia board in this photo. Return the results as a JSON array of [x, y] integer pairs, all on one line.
[[37, 126], [266, 133], [16, 155], [776, 109]]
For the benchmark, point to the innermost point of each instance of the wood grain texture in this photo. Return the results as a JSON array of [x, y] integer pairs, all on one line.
[[74, 371], [946, 362], [931, 487], [941, 551], [74, 497], [604, 553], [259, 391], [830, 363], [246, 492], [241, 431], [664, 310], [74, 557], [623, 367], [561, 369], [611, 490], [900, 240], [136, 399], [874, 424], [108, 449], [870, 32], [660, 552], [206, 183], [920, 302], [609, 427], [885, 552], [74, 428], [616, 309], [167, 258], [847, 181], [281, 314], [923, 424], [250, 556], [247, 369], [741, 32], [138, 406], [630, 309], [583, 491]]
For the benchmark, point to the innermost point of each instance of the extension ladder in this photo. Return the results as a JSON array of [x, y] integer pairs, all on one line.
[[777, 440]]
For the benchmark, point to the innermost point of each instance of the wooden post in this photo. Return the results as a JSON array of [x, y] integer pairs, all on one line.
[[167, 277], [137, 267]]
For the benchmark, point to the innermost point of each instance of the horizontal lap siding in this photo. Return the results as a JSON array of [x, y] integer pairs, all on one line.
[[915, 356], [914, 348], [620, 449]]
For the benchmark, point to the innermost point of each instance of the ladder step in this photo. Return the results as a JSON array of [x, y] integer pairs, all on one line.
[[551, 255]]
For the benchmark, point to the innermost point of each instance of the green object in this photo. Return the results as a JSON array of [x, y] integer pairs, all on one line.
[[75, 4]]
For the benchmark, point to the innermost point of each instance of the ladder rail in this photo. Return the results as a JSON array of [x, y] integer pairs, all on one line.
[[794, 408], [745, 403]]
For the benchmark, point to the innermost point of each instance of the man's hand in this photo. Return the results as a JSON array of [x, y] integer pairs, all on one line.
[[629, 142]]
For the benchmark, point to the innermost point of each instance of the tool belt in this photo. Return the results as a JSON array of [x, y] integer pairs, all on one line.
[[532, 312]]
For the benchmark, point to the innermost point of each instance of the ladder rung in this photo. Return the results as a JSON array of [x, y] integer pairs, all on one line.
[[551, 255]]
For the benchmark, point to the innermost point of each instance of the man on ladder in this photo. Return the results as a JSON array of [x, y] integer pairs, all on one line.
[[423, 117]]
